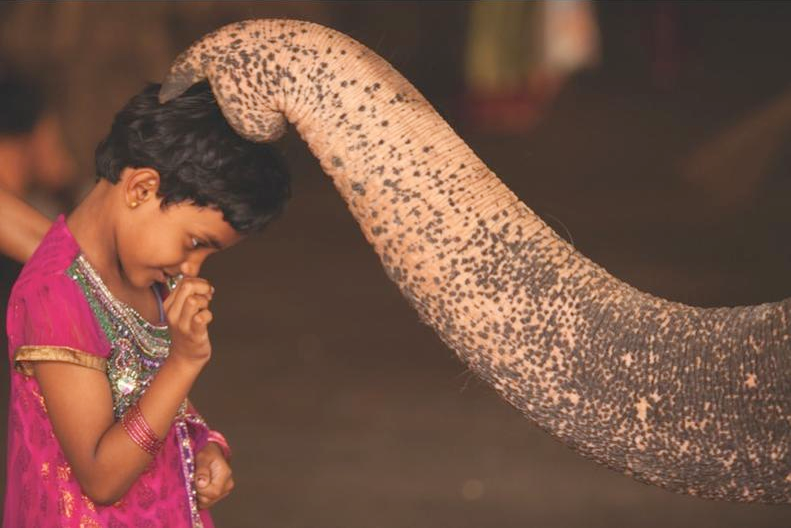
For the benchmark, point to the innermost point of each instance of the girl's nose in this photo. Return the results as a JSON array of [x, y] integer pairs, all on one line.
[[191, 267]]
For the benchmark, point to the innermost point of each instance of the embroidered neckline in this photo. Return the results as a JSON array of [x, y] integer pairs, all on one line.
[[137, 348], [85, 263]]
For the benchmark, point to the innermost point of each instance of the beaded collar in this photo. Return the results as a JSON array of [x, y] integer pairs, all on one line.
[[138, 347]]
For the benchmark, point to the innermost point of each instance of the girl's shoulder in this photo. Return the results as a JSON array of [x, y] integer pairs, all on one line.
[[47, 306], [51, 260]]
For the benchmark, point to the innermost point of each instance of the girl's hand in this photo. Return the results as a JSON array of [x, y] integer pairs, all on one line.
[[213, 480], [188, 315]]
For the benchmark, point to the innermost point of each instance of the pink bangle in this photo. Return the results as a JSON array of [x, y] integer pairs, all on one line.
[[139, 431], [219, 439]]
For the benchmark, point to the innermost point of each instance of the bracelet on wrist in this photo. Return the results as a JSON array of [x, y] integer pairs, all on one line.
[[219, 439], [139, 431]]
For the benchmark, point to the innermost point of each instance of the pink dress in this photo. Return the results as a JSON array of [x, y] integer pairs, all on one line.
[[60, 310]]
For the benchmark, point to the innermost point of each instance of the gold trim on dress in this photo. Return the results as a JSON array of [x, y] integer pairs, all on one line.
[[24, 355]]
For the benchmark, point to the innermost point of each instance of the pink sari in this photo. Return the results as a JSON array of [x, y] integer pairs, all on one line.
[[60, 310]]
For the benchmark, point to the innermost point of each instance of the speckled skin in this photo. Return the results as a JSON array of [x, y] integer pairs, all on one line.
[[694, 400]]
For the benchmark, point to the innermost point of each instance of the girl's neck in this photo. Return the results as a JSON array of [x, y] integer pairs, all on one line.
[[93, 225]]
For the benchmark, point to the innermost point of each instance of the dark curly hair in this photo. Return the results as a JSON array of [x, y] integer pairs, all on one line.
[[199, 157]]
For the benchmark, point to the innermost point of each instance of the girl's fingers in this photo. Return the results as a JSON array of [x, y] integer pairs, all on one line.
[[205, 501], [228, 488], [188, 287], [208, 497], [176, 300], [201, 320], [212, 492], [220, 482], [171, 297], [192, 305]]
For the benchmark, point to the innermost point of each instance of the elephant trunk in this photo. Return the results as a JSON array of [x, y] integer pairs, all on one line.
[[694, 400]]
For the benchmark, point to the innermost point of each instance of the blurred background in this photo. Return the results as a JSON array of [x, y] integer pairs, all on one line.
[[655, 135]]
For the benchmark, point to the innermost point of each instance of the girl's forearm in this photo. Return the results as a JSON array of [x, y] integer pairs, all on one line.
[[21, 227], [118, 460]]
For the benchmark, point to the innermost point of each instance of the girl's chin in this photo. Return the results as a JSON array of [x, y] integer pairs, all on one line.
[[144, 281], [144, 285]]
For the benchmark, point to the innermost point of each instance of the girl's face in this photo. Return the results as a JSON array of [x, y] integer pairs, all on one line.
[[154, 244]]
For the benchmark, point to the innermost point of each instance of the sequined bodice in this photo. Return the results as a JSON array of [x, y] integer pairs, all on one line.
[[63, 311], [138, 348]]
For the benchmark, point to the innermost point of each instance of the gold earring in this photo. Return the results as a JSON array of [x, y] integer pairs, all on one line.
[[133, 205]]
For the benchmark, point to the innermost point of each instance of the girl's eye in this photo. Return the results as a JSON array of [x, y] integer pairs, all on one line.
[[195, 243]]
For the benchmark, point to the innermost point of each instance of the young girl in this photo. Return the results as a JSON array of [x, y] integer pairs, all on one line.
[[100, 430]]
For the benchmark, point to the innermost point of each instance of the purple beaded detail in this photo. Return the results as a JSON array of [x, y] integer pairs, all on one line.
[[188, 469]]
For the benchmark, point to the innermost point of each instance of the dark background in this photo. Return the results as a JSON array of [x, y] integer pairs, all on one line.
[[342, 409]]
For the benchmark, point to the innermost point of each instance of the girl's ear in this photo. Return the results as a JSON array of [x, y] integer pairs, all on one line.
[[140, 185]]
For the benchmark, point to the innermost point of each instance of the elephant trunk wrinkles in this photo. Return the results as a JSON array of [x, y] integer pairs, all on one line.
[[694, 400]]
